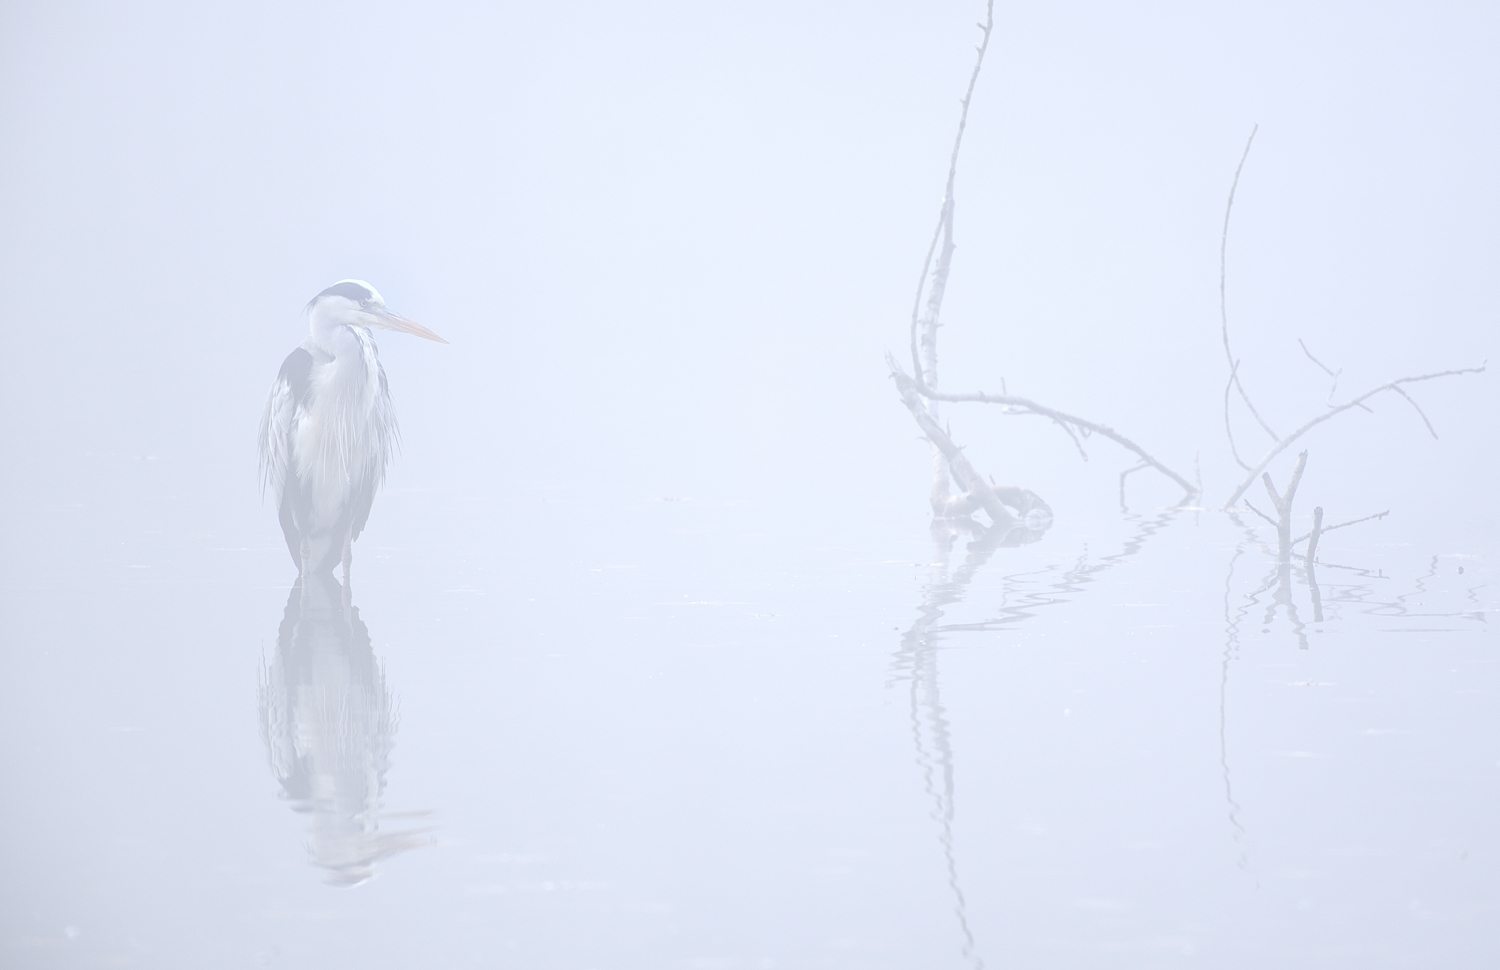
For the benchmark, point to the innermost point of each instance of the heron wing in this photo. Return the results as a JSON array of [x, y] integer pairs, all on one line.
[[278, 427], [289, 393]]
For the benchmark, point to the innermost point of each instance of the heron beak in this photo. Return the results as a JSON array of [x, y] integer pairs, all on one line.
[[387, 320]]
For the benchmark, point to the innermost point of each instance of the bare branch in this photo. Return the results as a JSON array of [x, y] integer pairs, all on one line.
[[1029, 406], [1282, 445], [1223, 300]]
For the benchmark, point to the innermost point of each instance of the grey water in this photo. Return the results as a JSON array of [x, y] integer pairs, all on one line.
[[652, 654]]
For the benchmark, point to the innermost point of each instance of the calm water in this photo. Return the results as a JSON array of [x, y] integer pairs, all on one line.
[[563, 731]]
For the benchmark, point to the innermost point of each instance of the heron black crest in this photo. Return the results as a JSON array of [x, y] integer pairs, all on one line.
[[351, 290]]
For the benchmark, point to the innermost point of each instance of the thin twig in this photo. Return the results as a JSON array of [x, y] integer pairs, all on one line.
[[1335, 374], [1260, 513], [1410, 400], [1329, 528], [1315, 360], [1324, 367], [1281, 445], [945, 216], [1228, 429], [1320, 364], [1077, 443], [1223, 300]]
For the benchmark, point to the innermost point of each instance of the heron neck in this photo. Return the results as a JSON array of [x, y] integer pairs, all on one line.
[[331, 335]]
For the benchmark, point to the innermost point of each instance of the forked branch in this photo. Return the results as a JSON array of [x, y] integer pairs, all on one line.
[[1394, 386]]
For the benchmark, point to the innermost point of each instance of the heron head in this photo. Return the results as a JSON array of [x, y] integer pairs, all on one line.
[[356, 303]]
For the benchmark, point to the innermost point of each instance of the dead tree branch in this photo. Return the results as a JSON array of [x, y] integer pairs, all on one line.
[[924, 361], [1395, 386], [924, 327]]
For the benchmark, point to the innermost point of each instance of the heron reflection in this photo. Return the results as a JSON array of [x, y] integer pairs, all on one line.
[[329, 723]]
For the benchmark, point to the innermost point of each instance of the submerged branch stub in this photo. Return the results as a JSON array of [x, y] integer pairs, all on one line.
[[1312, 541], [974, 486], [1011, 509]]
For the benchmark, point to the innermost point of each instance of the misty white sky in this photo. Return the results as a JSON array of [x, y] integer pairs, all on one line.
[[671, 242]]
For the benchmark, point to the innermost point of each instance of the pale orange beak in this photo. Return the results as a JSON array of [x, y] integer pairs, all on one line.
[[387, 320]]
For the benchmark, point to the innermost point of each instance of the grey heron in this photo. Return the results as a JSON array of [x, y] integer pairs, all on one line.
[[329, 428]]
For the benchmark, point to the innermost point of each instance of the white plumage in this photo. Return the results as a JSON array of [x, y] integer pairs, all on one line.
[[329, 429]]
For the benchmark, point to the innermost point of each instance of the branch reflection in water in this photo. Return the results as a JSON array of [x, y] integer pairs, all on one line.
[[329, 723], [916, 659], [1232, 621], [1330, 602]]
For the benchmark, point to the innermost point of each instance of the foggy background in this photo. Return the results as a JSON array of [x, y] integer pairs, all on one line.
[[670, 244]]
